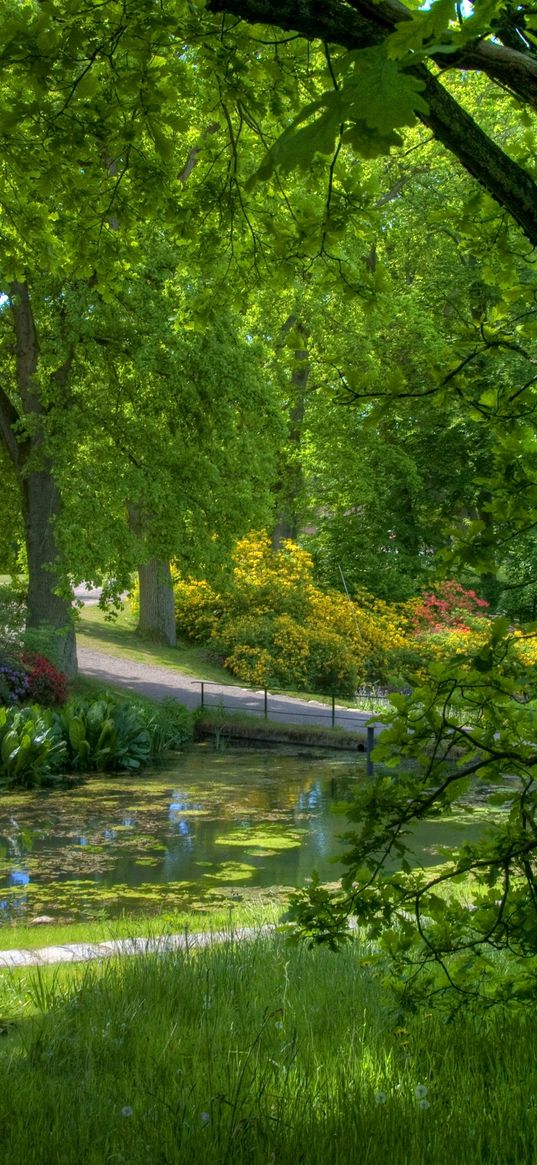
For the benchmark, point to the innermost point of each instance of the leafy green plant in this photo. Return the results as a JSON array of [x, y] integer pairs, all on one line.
[[468, 730], [104, 735], [170, 725], [31, 749]]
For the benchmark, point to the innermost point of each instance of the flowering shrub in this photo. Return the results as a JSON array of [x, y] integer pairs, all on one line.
[[273, 626], [198, 608], [13, 682], [451, 606], [267, 580], [46, 685]]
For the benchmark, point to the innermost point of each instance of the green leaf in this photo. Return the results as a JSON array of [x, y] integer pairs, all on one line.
[[380, 94], [410, 35]]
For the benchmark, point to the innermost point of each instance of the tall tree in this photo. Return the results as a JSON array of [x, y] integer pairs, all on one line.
[[107, 107]]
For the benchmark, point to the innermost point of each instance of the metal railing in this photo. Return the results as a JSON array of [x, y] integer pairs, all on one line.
[[301, 713]]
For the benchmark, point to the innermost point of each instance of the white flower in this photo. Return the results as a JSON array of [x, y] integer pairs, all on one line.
[[423, 1103], [205, 1118], [380, 1098], [421, 1091], [126, 1110]]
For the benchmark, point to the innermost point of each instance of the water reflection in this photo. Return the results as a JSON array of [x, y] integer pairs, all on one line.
[[211, 822]]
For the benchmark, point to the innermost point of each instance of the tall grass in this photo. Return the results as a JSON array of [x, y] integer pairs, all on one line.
[[253, 1054]]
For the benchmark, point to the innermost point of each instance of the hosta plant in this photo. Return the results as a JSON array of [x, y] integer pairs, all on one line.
[[103, 735], [31, 749]]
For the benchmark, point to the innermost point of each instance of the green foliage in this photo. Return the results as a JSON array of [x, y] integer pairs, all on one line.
[[170, 725], [467, 730], [104, 735], [31, 750], [374, 99], [121, 735], [12, 615], [87, 735]]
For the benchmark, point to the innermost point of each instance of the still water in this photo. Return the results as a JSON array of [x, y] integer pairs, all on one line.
[[208, 826]]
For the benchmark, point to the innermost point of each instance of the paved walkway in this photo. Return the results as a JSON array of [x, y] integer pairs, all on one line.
[[84, 952], [160, 683]]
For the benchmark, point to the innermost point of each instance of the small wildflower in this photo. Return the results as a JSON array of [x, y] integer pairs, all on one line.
[[205, 1118], [421, 1091], [423, 1103], [126, 1110], [380, 1098]]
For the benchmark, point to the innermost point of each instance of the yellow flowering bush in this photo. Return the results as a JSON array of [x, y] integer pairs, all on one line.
[[198, 608], [273, 626], [267, 580], [280, 652], [252, 665]]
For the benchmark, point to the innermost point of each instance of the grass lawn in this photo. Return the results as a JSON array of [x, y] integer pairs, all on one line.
[[254, 1053], [119, 638]]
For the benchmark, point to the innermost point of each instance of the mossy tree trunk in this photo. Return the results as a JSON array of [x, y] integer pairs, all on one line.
[[157, 612], [23, 432]]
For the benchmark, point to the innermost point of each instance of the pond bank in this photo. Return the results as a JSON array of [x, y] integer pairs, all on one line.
[[86, 952], [220, 727]]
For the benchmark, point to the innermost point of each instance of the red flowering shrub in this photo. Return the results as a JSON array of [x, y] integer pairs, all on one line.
[[46, 685], [451, 607]]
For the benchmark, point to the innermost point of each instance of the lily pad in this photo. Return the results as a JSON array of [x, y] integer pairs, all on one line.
[[232, 872], [261, 839]]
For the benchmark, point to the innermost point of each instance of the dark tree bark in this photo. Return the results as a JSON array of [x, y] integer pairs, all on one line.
[[40, 498], [362, 24], [47, 610]]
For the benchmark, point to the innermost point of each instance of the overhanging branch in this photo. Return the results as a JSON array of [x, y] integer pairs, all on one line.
[[363, 26]]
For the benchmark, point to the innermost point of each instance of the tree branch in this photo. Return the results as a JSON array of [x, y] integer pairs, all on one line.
[[364, 25]]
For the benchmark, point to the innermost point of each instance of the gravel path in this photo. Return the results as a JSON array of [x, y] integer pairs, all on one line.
[[160, 683]]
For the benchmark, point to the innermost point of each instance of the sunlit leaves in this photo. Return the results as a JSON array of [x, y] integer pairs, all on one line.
[[373, 100]]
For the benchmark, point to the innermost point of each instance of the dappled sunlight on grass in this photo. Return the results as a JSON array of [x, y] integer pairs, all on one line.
[[254, 1052], [118, 637]]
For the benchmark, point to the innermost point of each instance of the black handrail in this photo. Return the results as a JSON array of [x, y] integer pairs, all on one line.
[[370, 728]]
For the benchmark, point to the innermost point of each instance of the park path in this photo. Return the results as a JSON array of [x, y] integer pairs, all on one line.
[[86, 952], [160, 683]]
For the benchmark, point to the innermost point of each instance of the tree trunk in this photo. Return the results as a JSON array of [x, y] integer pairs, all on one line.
[[48, 612], [157, 611], [289, 488]]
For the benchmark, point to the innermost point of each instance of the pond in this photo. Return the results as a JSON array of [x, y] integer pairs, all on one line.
[[207, 826]]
